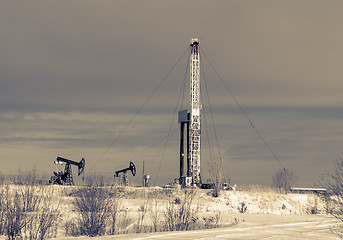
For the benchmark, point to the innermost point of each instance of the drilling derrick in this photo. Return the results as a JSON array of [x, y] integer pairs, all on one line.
[[194, 158], [191, 120]]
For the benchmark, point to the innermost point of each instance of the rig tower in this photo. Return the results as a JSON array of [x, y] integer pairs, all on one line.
[[195, 111], [192, 120]]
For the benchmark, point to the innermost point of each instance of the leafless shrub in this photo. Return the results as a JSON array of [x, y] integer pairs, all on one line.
[[177, 200], [212, 221], [243, 207], [44, 223], [26, 215], [119, 214], [313, 208], [142, 212], [284, 179], [25, 178], [216, 171], [114, 215], [334, 185], [180, 217], [329, 203], [30, 200], [93, 180], [93, 207], [155, 216], [99, 211], [72, 229], [2, 179], [123, 221], [14, 216], [3, 196]]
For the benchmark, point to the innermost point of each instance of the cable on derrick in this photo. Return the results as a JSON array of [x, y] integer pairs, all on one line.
[[181, 95], [139, 110], [210, 107], [242, 110]]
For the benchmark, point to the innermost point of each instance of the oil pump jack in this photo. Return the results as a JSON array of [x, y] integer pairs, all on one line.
[[125, 179], [66, 177]]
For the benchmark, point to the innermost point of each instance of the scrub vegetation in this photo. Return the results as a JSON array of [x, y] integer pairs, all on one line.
[[33, 210]]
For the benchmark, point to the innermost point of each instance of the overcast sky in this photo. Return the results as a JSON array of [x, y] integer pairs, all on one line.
[[74, 73]]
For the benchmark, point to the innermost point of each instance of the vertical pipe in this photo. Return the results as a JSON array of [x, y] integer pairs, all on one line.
[[182, 151], [143, 176], [189, 173]]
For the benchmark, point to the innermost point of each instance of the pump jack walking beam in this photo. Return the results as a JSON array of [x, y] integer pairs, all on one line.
[[80, 165], [125, 180], [131, 167]]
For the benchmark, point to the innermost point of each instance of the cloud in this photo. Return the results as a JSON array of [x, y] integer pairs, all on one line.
[[72, 75]]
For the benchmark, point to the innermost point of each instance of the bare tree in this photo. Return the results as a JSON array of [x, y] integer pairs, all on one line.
[[26, 215], [28, 178], [334, 186], [14, 220], [44, 223], [93, 206], [181, 216], [142, 212], [216, 171], [155, 216], [284, 179], [114, 218], [2, 179]]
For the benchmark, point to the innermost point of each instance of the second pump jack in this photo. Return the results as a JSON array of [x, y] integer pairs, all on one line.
[[125, 179]]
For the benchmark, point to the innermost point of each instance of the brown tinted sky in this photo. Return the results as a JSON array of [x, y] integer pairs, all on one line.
[[73, 74]]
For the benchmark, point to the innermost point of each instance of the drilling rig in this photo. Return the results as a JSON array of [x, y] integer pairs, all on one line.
[[66, 177], [191, 119]]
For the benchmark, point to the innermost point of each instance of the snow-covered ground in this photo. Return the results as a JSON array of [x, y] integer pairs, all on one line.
[[229, 202], [236, 208]]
